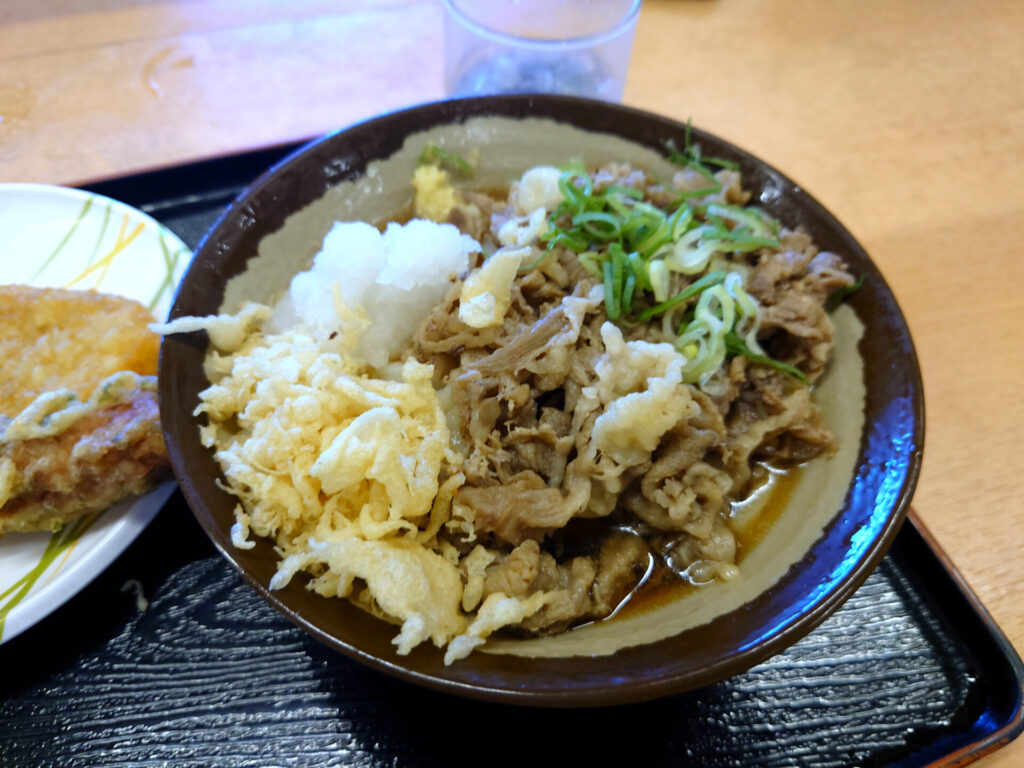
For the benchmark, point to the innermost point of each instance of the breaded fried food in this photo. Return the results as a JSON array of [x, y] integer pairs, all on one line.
[[52, 338], [62, 458], [79, 425]]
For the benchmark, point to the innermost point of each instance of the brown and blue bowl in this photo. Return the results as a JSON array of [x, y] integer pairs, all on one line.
[[839, 520]]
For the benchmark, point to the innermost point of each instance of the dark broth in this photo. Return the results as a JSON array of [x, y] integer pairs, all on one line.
[[664, 586]]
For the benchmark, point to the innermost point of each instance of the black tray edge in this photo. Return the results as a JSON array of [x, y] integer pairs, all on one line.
[[1006, 706], [166, 184]]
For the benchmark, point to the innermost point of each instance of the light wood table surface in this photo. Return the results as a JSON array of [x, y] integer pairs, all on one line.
[[905, 117]]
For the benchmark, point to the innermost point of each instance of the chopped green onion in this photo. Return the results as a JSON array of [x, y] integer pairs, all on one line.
[[632, 192], [674, 155], [691, 157], [692, 261], [611, 307], [633, 246], [574, 196], [640, 269], [618, 275], [721, 162], [839, 294], [605, 226], [536, 262], [627, 291], [684, 196], [709, 280], [433, 154], [574, 166], [752, 218], [692, 153], [566, 238], [679, 222], [736, 346], [587, 260], [660, 279], [620, 207]]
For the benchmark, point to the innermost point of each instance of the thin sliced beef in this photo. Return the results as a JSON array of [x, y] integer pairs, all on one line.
[[522, 508], [541, 411]]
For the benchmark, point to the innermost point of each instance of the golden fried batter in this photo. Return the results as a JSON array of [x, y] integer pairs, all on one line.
[[51, 338]]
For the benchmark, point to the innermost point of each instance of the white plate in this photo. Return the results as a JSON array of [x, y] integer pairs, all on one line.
[[55, 236]]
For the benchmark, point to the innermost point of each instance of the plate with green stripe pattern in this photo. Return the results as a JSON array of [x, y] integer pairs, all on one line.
[[61, 237]]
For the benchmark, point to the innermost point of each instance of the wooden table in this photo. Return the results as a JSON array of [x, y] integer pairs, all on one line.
[[906, 118]]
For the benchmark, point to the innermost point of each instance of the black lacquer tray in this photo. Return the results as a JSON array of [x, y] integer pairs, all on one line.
[[911, 671]]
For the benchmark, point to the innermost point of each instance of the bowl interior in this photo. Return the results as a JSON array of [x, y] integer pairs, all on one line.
[[837, 526]]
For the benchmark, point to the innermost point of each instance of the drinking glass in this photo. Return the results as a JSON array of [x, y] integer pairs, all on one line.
[[575, 47]]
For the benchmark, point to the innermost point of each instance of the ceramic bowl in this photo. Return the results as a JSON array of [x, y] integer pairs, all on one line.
[[838, 522]]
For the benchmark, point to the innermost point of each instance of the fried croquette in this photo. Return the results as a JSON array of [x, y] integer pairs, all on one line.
[[79, 424]]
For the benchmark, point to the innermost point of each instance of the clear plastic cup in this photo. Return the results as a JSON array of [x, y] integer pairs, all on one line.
[[574, 47]]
